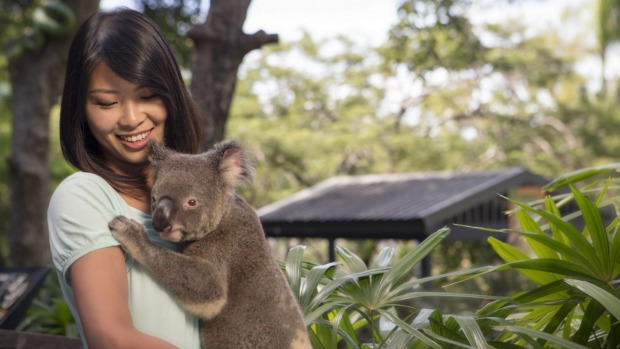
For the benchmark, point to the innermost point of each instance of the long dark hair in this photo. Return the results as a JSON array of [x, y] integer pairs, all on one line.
[[134, 48]]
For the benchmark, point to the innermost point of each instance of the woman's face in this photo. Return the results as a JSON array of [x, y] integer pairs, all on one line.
[[123, 118]]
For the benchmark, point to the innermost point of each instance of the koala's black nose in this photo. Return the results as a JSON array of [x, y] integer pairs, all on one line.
[[162, 213]]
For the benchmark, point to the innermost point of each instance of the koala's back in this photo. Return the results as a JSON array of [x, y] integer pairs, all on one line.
[[260, 311]]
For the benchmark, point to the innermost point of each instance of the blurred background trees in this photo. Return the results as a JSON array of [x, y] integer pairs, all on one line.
[[36, 40]]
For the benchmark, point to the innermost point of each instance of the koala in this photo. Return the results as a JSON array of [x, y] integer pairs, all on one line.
[[225, 275]]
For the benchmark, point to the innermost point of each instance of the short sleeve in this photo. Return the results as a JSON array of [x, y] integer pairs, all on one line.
[[78, 216]]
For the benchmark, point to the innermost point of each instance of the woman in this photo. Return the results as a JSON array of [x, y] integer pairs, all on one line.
[[123, 88]]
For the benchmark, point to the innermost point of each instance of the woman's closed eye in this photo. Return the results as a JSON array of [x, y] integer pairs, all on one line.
[[150, 97], [105, 104]]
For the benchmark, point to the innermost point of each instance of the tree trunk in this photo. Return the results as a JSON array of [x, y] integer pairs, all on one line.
[[36, 80], [220, 45]]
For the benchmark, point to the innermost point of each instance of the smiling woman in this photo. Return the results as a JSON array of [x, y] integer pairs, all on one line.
[[123, 88], [121, 64]]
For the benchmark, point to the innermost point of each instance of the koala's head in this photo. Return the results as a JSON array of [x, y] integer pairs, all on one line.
[[191, 192]]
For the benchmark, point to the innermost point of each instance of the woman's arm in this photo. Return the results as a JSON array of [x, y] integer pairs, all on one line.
[[99, 281]]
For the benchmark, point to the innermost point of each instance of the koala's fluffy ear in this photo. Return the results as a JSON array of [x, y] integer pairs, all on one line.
[[157, 151], [234, 163]]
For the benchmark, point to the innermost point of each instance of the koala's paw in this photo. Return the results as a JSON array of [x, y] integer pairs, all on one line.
[[124, 229]]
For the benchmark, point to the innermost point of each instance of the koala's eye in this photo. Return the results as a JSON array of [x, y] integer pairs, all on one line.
[[153, 199], [191, 202]]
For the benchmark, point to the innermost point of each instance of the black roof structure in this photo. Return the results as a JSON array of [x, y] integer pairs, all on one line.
[[398, 206]]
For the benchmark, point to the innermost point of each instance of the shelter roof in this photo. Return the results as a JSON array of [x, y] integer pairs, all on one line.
[[409, 205]]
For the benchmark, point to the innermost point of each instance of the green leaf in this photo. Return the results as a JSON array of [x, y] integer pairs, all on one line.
[[438, 294], [598, 232], [309, 289], [567, 253], [582, 245], [580, 175], [542, 335], [528, 224], [324, 337], [554, 266], [403, 267], [555, 232], [409, 329], [560, 317], [329, 288], [472, 331], [556, 289], [606, 299], [508, 252], [342, 326], [511, 254], [293, 268], [503, 308], [615, 253], [353, 261], [401, 339], [591, 315], [421, 320], [385, 257]]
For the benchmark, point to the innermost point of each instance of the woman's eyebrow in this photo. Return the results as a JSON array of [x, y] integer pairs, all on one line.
[[102, 90]]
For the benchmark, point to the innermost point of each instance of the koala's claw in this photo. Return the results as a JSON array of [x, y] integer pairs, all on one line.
[[122, 227]]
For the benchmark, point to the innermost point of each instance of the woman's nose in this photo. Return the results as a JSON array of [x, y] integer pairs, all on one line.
[[133, 115]]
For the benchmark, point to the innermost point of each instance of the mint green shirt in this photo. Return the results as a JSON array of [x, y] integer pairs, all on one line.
[[78, 216]]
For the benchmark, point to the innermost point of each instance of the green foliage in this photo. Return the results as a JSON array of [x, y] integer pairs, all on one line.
[[433, 34], [575, 263], [514, 91], [175, 18], [369, 306], [16, 18], [50, 313]]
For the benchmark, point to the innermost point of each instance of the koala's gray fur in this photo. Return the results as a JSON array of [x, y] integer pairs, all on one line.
[[226, 274]]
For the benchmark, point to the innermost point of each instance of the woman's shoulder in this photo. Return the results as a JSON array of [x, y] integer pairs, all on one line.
[[81, 188], [83, 182], [83, 178]]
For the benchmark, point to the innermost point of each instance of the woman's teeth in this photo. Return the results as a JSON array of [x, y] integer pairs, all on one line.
[[135, 138]]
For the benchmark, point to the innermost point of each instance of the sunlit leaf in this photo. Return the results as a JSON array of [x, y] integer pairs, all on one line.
[[606, 299], [554, 266], [567, 253], [577, 239], [528, 224], [553, 209], [598, 232], [472, 331], [542, 335], [581, 175], [409, 329], [293, 268], [511, 254], [385, 257], [353, 261], [309, 288], [403, 268]]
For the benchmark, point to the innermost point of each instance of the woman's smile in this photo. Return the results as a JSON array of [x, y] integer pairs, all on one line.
[[137, 140]]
